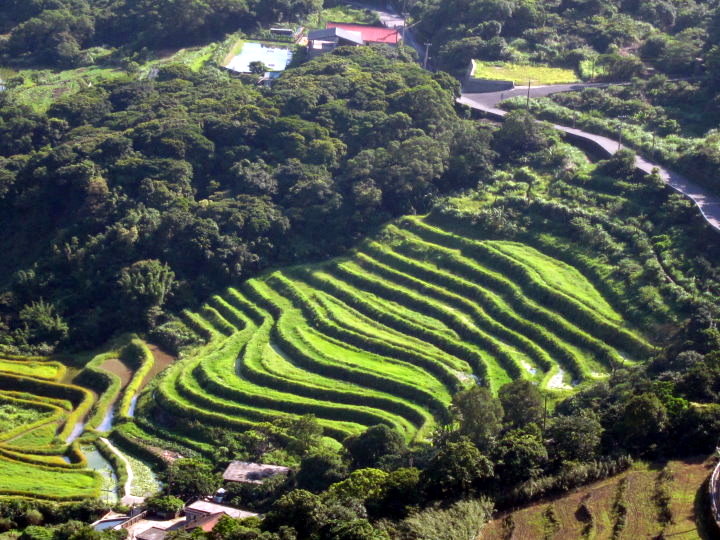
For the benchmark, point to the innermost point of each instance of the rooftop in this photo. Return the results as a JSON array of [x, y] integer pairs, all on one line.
[[206, 523], [370, 34], [336, 33], [153, 533], [207, 507], [252, 473]]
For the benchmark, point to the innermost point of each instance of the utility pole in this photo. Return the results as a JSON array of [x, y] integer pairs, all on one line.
[[427, 51], [528, 95], [405, 16]]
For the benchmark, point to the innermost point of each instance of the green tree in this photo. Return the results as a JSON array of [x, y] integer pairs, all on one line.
[[575, 438], [456, 471], [479, 415], [520, 456], [145, 286], [187, 478], [369, 447], [257, 67], [42, 324], [522, 403], [319, 470], [643, 422]]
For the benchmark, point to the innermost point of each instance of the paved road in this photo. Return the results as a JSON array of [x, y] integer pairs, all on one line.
[[492, 99], [707, 202]]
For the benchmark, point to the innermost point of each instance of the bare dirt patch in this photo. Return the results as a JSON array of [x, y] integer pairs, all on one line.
[[162, 360], [116, 366]]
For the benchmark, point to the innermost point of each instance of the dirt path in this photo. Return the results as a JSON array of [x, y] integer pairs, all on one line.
[[127, 498]]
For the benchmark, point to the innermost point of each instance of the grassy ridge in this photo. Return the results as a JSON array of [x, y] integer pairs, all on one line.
[[391, 332]]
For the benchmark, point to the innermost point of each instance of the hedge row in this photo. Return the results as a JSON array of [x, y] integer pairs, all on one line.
[[468, 268], [313, 360], [212, 316], [118, 464], [105, 384], [198, 325], [264, 398], [375, 337], [127, 442], [81, 398], [445, 295], [324, 320], [58, 414], [188, 388], [327, 365], [346, 284], [377, 285], [253, 370], [229, 312], [19, 360]]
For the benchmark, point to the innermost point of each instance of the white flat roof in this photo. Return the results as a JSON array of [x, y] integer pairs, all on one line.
[[208, 507]]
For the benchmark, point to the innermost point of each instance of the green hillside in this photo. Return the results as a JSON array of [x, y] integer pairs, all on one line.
[[391, 332]]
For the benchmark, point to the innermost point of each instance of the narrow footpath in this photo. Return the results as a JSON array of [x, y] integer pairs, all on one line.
[[707, 202], [127, 499]]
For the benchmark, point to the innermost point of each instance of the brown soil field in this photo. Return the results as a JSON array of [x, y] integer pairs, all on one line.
[[116, 366], [162, 360], [687, 505]]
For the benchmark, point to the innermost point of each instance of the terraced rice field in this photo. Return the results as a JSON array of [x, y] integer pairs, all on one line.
[[389, 333], [42, 416]]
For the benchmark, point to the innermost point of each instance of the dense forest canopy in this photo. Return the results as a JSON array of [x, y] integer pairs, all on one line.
[[670, 36], [125, 197], [56, 32]]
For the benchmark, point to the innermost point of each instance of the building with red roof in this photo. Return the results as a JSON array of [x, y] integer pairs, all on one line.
[[370, 34]]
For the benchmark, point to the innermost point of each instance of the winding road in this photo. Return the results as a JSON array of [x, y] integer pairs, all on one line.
[[707, 202], [488, 103]]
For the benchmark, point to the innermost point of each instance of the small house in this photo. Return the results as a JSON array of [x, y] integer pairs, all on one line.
[[368, 33], [201, 509], [328, 39]]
